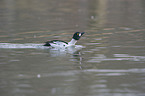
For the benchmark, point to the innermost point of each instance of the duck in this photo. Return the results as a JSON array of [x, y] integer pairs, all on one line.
[[60, 43]]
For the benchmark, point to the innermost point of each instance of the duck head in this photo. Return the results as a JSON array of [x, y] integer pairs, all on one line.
[[78, 35]]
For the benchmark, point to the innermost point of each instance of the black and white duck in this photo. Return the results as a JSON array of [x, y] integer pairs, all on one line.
[[60, 43]]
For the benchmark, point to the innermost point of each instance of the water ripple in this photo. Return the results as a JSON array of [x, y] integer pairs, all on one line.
[[134, 70], [117, 57]]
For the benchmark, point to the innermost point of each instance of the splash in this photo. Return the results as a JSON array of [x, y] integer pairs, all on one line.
[[35, 46], [20, 46], [58, 51]]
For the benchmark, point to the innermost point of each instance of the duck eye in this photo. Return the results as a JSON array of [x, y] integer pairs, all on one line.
[[78, 34]]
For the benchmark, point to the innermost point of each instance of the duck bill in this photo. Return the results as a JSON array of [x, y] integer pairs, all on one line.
[[82, 33]]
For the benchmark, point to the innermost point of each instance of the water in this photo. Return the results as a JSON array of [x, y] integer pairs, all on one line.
[[107, 61]]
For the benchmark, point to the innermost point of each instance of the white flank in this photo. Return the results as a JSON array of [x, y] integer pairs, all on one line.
[[58, 44]]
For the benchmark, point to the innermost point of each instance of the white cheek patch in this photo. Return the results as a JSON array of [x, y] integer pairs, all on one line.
[[80, 34]]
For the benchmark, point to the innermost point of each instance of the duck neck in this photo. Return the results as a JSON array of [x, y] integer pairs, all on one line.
[[72, 42]]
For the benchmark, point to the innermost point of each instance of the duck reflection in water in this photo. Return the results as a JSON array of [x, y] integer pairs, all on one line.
[[64, 51], [72, 53]]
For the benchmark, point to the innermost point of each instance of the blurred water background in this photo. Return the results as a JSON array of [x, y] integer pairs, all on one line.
[[111, 62]]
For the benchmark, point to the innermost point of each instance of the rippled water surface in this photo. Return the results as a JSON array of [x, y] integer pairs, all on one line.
[[109, 60]]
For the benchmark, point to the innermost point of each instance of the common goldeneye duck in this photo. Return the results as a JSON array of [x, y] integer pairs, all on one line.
[[59, 43]]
